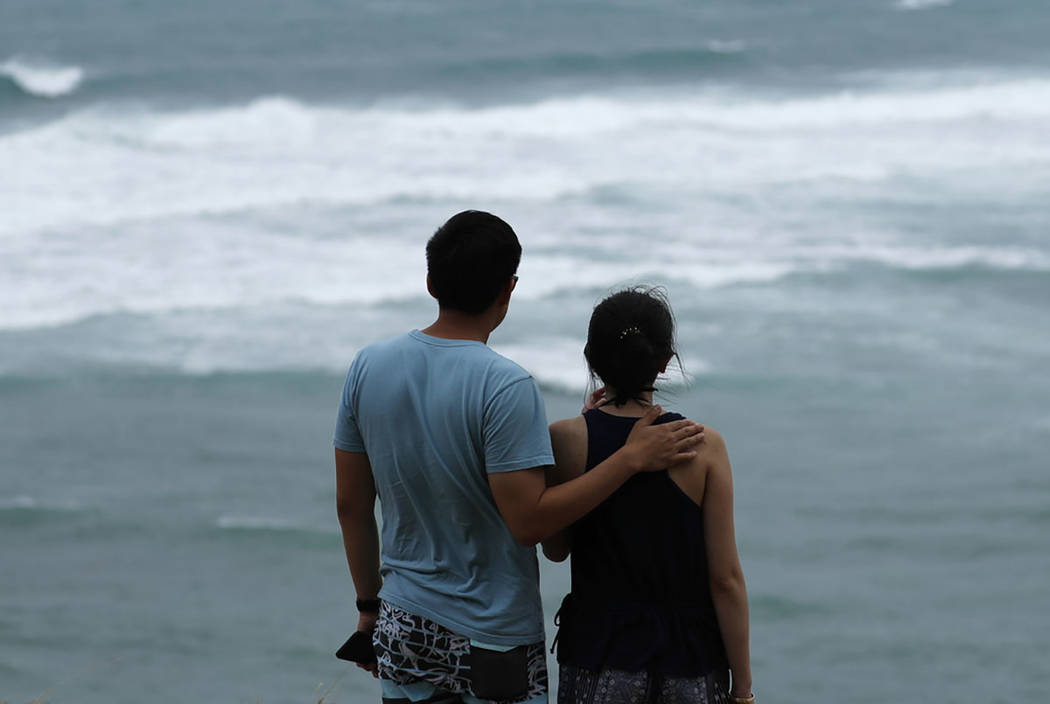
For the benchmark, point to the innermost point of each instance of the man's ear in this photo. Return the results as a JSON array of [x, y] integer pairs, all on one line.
[[504, 296], [430, 288]]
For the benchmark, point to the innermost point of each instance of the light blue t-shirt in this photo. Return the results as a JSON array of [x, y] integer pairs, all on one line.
[[435, 416]]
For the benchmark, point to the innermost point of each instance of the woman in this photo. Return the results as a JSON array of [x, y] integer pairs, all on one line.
[[658, 607]]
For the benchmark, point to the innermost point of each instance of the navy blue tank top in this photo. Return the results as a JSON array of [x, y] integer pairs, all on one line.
[[640, 598]]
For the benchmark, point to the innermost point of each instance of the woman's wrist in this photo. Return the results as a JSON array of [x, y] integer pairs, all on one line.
[[740, 692]]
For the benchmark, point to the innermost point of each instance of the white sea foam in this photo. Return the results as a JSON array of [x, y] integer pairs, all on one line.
[[20, 501], [203, 266], [903, 256], [42, 79], [267, 277], [25, 502], [726, 46], [1006, 258], [557, 362], [253, 523], [228, 228], [921, 4], [266, 524], [100, 168]]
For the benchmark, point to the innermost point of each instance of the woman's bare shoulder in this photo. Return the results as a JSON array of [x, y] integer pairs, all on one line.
[[713, 441], [691, 476], [714, 444], [569, 428], [569, 442]]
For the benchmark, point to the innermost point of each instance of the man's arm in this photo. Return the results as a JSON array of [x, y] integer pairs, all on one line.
[[355, 499], [533, 511]]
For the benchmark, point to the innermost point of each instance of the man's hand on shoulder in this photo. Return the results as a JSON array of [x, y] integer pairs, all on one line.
[[652, 448]]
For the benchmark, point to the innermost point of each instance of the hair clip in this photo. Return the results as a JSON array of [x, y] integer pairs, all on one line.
[[631, 330]]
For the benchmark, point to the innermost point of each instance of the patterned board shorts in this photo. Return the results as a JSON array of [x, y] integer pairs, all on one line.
[[577, 685], [420, 660]]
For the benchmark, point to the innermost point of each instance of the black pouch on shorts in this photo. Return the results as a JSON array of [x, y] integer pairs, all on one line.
[[499, 675]]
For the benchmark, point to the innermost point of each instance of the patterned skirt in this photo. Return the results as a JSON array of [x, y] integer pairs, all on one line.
[[577, 685]]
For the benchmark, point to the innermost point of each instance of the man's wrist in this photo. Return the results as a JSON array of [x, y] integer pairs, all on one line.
[[366, 622], [631, 460]]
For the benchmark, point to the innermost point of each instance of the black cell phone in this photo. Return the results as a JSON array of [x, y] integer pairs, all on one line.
[[358, 648]]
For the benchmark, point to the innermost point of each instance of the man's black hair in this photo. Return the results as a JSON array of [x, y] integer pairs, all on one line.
[[470, 259]]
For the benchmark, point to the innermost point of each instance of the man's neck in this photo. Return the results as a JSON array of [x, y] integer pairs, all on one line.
[[457, 325]]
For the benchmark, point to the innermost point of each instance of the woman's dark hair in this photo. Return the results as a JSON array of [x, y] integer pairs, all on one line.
[[470, 259], [630, 339]]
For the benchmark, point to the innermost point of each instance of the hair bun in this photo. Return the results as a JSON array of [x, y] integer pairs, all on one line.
[[629, 341]]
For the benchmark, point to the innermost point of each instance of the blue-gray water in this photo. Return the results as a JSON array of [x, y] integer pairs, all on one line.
[[207, 208]]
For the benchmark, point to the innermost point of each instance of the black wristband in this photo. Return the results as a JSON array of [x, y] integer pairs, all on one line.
[[368, 606]]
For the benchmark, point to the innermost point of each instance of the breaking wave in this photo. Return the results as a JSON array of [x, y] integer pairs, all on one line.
[[42, 80], [911, 5]]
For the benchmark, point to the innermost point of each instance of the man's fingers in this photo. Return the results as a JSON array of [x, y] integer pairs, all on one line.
[[687, 429], [690, 432], [682, 444], [685, 446], [651, 414], [683, 457]]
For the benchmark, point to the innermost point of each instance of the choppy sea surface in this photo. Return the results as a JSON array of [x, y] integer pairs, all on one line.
[[207, 208]]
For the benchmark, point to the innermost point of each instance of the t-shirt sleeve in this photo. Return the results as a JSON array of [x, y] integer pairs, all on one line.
[[515, 431], [347, 434]]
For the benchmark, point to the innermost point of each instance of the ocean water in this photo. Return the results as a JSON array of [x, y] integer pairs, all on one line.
[[207, 208]]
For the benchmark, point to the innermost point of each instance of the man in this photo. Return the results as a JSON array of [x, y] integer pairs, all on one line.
[[453, 439]]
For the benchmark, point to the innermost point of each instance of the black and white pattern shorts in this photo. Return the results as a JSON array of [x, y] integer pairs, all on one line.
[[414, 652], [577, 685]]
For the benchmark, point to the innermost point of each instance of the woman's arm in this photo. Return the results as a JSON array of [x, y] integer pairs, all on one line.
[[727, 577], [569, 442]]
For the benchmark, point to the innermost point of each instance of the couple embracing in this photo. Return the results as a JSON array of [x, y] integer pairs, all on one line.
[[453, 440]]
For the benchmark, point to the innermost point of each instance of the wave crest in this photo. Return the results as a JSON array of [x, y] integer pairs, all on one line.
[[277, 151], [42, 80], [228, 522], [911, 5]]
